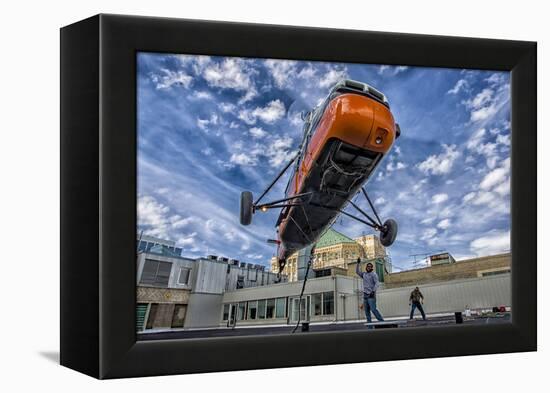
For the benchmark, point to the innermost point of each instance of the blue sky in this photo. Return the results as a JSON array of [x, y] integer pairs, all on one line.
[[211, 127]]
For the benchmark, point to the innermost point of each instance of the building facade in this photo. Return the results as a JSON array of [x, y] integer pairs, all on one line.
[[335, 250], [177, 292], [468, 268], [338, 299]]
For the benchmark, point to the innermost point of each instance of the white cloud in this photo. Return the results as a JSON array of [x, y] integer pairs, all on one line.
[[428, 220], [442, 163], [379, 201], [152, 213], [391, 167], [307, 72], [233, 74], [273, 111], [155, 219], [444, 224], [257, 132], [278, 152], [486, 103], [428, 234], [503, 140], [482, 98], [503, 188], [202, 95], [468, 197], [170, 78], [226, 107], [281, 70], [204, 124], [333, 76], [483, 113], [243, 159], [488, 150], [391, 70], [494, 243], [495, 79], [439, 198], [459, 86], [494, 177]]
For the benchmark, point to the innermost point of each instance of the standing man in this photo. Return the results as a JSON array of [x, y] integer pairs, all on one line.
[[416, 299], [370, 285]]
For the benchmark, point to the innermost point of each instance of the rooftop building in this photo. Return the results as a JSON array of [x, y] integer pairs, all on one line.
[[335, 250]]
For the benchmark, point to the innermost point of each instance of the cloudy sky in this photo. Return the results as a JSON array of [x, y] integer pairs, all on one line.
[[211, 127]]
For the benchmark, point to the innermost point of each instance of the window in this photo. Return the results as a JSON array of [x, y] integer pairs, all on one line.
[[152, 315], [261, 309], [495, 272], [270, 309], [241, 311], [155, 273], [316, 300], [240, 282], [252, 310], [183, 278], [328, 303], [280, 307], [179, 315], [323, 273], [226, 312]]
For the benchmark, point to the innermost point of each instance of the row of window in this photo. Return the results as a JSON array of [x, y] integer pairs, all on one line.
[[256, 309], [317, 304]]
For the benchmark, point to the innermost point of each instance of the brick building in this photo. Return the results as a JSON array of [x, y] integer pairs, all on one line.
[[468, 268]]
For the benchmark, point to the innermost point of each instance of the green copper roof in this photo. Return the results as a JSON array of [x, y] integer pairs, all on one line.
[[332, 237]]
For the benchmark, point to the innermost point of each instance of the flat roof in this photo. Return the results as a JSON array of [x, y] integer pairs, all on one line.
[[318, 328]]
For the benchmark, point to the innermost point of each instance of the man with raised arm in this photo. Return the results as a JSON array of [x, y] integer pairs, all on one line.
[[370, 285]]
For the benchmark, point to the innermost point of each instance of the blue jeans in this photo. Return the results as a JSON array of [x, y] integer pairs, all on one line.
[[369, 304], [418, 305]]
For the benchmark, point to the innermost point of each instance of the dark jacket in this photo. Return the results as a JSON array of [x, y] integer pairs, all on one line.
[[416, 295]]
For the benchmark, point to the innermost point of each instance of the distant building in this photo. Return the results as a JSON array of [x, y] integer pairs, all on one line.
[[335, 250], [468, 268], [178, 292], [440, 259], [145, 243]]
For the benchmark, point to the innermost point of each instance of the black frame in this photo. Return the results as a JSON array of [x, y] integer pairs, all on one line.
[[98, 195]]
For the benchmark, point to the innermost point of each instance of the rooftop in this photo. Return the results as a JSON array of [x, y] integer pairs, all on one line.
[[331, 238]]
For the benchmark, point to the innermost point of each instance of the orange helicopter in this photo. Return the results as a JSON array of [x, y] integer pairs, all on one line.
[[344, 140]]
